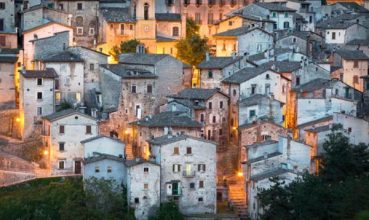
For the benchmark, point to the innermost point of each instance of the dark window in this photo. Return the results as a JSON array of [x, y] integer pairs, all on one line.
[[201, 167], [2, 5], [202, 118], [2, 41], [253, 89], [210, 105], [189, 150], [79, 6], [146, 169], [137, 200], [234, 92], [286, 24], [200, 199], [92, 66], [39, 95], [133, 89], [88, 129], [221, 104], [61, 146], [61, 7], [201, 184], [39, 81], [149, 88], [297, 81], [109, 169], [176, 151], [214, 119], [175, 31], [210, 74], [192, 185], [252, 113], [220, 131], [349, 130], [333, 35], [97, 169], [356, 64], [356, 79], [146, 11], [61, 165], [61, 129]]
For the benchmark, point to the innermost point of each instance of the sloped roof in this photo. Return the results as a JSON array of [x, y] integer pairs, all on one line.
[[335, 23], [167, 139], [218, 62], [361, 42], [313, 85], [167, 17], [99, 137], [352, 54], [141, 58], [116, 14], [353, 6], [57, 115], [129, 73], [319, 129], [138, 161], [253, 100], [64, 56], [195, 93], [100, 157], [47, 73], [189, 103], [168, 119], [274, 7], [238, 31], [261, 56], [261, 158]]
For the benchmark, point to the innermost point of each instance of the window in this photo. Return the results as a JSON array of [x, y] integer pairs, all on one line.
[[97, 169], [221, 104], [1, 24], [200, 199], [79, 30], [39, 111], [349, 130], [210, 74], [39, 95], [297, 81], [286, 24], [149, 88], [252, 113], [210, 18], [234, 92], [333, 35], [61, 7], [61, 129], [146, 11], [176, 150], [267, 88], [39, 82], [2, 41], [286, 14], [146, 170], [61, 164], [197, 18], [356, 64], [61, 146], [2, 5], [356, 79], [92, 66], [267, 76], [274, 26], [109, 169], [230, 23], [176, 168], [210, 105], [79, 6], [88, 129], [192, 185], [202, 118], [198, 2], [201, 167], [214, 119], [133, 88], [146, 186], [220, 132], [137, 200], [78, 96], [201, 184], [188, 150], [91, 31], [274, 14], [175, 32], [121, 29], [253, 89]]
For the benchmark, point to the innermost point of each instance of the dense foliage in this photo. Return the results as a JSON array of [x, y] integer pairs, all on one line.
[[192, 49], [339, 191], [168, 211], [59, 198], [128, 46]]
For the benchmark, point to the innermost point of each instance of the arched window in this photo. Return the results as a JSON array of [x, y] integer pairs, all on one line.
[[146, 11], [79, 21], [175, 31]]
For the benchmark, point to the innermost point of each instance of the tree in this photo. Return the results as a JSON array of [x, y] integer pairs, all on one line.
[[168, 211], [124, 47], [192, 49], [339, 191]]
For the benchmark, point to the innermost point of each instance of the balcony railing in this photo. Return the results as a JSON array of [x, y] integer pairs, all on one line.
[[189, 174]]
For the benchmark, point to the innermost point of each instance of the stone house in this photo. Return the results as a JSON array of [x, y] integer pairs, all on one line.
[[281, 15], [103, 145], [213, 70], [269, 159], [188, 172], [8, 36], [62, 135], [207, 106], [277, 54], [358, 44], [84, 19], [354, 65], [42, 31], [9, 90], [128, 94], [306, 10], [315, 123], [143, 186], [37, 97], [243, 41], [161, 124], [308, 71]]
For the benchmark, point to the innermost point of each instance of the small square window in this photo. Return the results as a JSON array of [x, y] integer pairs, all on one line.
[[133, 89], [61, 146], [61, 164], [149, 88], [61, 129], [79, 30], [97, 169], [79, 6], [91, 31], [189, 150], [137, 200], [39, 81], [201, 184], [192, 185], [39, 95], [146, 169], [146, 186], [2, 5], [109, 169], [176, 151], [88, 129], [200, 199]]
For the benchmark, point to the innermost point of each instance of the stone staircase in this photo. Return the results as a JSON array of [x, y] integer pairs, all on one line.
[[129, 152], [237, 196]]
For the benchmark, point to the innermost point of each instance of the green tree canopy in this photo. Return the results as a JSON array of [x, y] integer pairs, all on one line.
[[167, 211], [128, 46], [339, 191], [192, 49]]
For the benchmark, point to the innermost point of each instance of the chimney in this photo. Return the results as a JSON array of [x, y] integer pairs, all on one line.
[[207, 56]]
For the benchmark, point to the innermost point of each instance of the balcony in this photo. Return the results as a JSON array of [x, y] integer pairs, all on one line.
[[188, 174]]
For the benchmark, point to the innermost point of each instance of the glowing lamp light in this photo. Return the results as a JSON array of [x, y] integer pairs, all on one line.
[[239, 174], [126, 132], [17, 119], [234, 128], [45, 152]]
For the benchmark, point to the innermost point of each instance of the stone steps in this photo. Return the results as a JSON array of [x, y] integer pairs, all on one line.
[[129, 152]]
